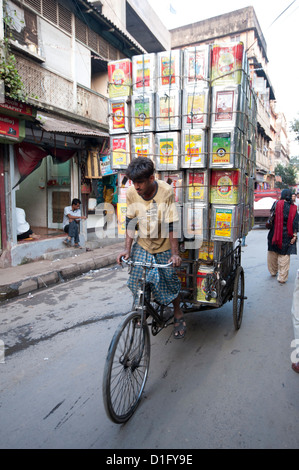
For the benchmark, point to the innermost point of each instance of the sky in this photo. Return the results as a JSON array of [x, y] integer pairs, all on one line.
[[282, 38]]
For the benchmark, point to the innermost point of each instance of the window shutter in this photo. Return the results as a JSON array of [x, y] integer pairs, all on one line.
[[103, 48], [80, 31], [65, 18], [35, 4], [92, 40], [112, 52], [50, 10]]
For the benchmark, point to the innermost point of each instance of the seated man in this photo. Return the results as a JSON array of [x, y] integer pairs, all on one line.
[[23, 228], [71, 217], [150, 204]]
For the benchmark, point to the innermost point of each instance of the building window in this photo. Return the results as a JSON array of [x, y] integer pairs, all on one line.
[[35, 4], [81, 30], [235, 38], [93, 40], [112, 53], [103, 48], [65, 19], [50, 11], [23, 26]]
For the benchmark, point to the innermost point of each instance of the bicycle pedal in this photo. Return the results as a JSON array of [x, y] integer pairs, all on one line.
[[167, 316], [138, 323]]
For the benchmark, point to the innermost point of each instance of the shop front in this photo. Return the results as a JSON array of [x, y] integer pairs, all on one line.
[[264, 180], [44, 173], [13, 118], [102, 183], [261, 180]]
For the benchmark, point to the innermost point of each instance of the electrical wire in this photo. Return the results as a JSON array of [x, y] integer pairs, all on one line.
[[282, 13], [274, 21]]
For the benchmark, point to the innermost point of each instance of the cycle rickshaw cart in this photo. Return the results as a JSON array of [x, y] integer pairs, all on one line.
[[128, 358], [203, 142]]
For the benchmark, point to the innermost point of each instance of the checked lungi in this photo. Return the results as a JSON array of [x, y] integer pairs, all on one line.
[[164, 282]]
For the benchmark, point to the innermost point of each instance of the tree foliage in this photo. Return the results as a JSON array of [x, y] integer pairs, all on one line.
[[14, 87], [295, 161], [295, 128], [288, 176]]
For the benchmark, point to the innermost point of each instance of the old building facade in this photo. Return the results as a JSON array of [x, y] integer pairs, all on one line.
[[61, 50], [243, 26]]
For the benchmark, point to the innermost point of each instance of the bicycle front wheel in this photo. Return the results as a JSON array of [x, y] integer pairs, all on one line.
[[126, 368], [238, 298]]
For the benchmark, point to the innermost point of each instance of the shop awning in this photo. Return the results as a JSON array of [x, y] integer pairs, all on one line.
[[30, 156], [68, 128]]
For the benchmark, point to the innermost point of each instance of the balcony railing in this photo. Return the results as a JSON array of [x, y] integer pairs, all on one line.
[[45, 86], [92, 105], [263, 117], [262, 161], [51, 89]]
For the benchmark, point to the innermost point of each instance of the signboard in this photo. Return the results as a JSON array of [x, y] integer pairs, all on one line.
[[105, 165], [17, 107], [11, 129]]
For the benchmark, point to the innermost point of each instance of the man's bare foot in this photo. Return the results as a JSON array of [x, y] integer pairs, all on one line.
[[179, 321], [180, 328]]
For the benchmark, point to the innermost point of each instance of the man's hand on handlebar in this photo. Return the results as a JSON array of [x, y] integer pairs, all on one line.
[[175, 260], [124, 254]]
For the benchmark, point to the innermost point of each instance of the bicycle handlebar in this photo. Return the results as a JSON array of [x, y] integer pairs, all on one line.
[[145, 265]]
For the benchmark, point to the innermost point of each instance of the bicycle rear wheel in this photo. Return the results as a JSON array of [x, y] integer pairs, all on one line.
[[126, 368]]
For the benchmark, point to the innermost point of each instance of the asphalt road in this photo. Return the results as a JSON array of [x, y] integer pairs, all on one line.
[[216, 389]]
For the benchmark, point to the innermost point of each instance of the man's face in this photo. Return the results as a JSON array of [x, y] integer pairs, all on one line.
[[144, 187], [76, 207]]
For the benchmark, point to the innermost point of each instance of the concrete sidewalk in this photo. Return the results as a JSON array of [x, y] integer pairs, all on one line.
[[27, 278]]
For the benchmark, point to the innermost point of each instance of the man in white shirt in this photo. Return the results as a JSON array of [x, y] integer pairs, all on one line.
[[71, 217], [23, 228]]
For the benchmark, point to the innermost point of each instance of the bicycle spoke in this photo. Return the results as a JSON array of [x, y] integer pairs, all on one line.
[[126, 368]]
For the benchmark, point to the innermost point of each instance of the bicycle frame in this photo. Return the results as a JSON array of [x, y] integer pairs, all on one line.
[[140, 303]]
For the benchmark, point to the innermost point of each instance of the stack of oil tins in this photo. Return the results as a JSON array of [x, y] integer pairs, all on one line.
[[193, 112]]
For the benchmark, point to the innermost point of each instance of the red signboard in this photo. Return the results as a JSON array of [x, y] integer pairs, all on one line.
[[9, 126], [16, 107]]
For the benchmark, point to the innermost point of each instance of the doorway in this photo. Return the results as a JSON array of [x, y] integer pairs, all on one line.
[[59, 191]]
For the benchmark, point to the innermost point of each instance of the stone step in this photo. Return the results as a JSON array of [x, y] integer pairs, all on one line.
[[63, 253], [100, 243]]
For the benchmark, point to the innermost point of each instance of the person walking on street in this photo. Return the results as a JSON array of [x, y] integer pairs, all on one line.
[[282, 237], [151, 205], [71, 217]]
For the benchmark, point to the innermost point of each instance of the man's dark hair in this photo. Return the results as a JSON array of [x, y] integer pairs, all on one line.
[[76, 201], [140, 168]]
